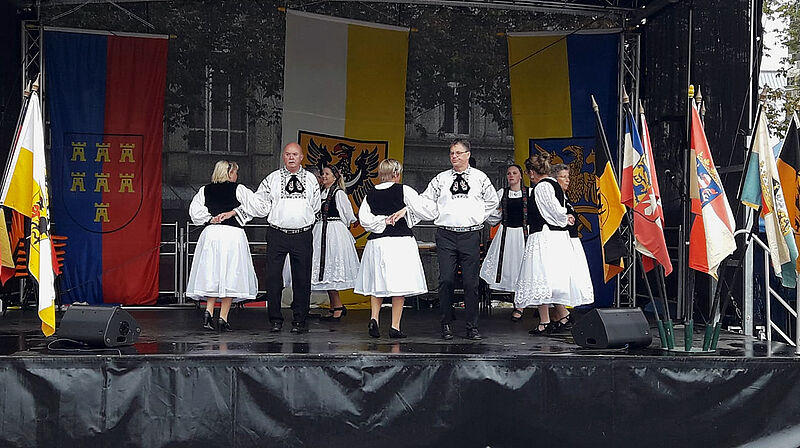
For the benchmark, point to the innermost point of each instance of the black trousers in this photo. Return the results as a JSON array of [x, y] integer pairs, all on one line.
[[454, 249], [300, 249]]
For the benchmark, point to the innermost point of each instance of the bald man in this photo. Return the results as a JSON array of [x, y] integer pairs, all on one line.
[[289, 198]]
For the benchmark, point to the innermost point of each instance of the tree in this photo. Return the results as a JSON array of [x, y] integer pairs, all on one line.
[[781, 103]]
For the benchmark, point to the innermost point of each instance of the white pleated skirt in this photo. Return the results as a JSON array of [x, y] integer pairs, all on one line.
[[341, 259], [512, 259], [222, 265], [391, 267], [552, 273]]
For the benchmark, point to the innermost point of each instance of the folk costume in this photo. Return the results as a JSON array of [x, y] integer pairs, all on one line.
[[390, 265], [548, 274], [500, 268], [290, 202], [461, 203], [222, 265], [335, 262]]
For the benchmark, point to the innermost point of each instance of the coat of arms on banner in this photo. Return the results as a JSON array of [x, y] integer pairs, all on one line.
[[356, 160], [577, 153], [102, 180]]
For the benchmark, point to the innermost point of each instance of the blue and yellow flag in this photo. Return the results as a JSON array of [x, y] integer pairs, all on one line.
[[552, 78]]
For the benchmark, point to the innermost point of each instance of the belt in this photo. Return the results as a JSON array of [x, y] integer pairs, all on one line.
[[462, 229], [290, 231], [331, 218]]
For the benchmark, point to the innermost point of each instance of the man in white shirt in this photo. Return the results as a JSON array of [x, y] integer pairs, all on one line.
[[464, 197], [289, 198]]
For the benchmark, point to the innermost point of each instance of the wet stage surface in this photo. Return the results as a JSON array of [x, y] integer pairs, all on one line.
[[179, 332]]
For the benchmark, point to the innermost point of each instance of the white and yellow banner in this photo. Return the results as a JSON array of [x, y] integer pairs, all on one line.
[[25, 190], [345, 78]]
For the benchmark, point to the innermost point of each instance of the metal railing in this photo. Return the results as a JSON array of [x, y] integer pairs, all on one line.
[[772, 294]]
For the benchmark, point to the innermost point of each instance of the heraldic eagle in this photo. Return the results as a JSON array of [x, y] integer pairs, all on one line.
[[357, 182]]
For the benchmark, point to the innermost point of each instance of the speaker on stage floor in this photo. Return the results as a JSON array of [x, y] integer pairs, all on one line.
[[612, 328], [105, 326]]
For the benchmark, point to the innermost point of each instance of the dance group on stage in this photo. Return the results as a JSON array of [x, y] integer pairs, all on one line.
[[535, 254]]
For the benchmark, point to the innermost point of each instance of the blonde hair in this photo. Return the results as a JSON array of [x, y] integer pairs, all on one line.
[[339, 182], [539, 164], [388, 169], [222, 169]]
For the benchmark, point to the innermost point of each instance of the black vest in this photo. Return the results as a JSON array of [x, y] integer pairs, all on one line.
[[385, 202], [221, 198], [513, 210], [573, 229], [329, 209], [535, 220]]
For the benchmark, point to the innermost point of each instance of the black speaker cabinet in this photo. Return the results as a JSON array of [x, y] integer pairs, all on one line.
[[104, 326], [612, 328]]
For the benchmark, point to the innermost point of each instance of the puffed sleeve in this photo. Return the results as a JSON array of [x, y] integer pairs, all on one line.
[[345, 208], [413, 202], [424, 205], [496, 216], [370, 222], [257, 204], [316, 198], [243, 195], [198, 212], [490, 200], [553, 213]]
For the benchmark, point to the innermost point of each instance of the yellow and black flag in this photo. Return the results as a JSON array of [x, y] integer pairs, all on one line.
[[609, 205], [788, 171]]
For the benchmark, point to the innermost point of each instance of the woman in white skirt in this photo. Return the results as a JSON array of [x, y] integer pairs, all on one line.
[[547, 276], [580, 267], [500, 268], [390, 266], [222, 267], [334, 266]]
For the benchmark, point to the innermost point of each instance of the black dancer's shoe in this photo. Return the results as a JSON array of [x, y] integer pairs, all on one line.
[[299, 327], [473, 334], [372, 328], [208, 321], [276, 326], [223, 325], [396, 334], [447, 333], [333, 316]]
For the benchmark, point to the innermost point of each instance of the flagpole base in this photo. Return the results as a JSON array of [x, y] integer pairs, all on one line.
[[693, 352]]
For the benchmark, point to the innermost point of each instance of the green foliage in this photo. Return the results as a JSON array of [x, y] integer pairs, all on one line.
[[781, 103]]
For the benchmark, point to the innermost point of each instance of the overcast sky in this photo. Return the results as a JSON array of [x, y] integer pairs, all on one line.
[[774, 50]]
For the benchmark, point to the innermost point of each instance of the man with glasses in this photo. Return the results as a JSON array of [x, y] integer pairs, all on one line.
[[462, 198]]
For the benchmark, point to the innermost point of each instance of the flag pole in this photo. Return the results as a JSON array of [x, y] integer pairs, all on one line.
[[689, 275], [712, 330]]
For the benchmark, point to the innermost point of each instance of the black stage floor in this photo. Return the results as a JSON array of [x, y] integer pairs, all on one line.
[[181, 385]]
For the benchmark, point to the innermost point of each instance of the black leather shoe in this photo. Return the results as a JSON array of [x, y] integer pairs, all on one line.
[[373, 329], [208, 321], [342, 312], [299, 327], [276, 326], [396, 334], [223, 325], [447, 333], [473, 334]]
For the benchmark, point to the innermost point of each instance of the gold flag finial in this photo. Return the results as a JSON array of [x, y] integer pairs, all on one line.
[[691, 90], [625, 98]]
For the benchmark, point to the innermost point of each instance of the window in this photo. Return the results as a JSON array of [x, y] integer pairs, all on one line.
[[220, 126], [456, 110]]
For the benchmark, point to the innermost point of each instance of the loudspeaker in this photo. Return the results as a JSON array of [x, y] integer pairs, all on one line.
[[99, 326], [612, 328]]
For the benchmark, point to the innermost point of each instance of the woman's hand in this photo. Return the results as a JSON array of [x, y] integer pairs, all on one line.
[[222, 217], [396, 216], [570, 219]]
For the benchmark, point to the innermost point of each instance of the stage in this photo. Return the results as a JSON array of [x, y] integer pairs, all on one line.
[[335, 386]]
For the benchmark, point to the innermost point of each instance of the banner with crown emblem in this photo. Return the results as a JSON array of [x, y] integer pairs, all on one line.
[[105, 97]]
